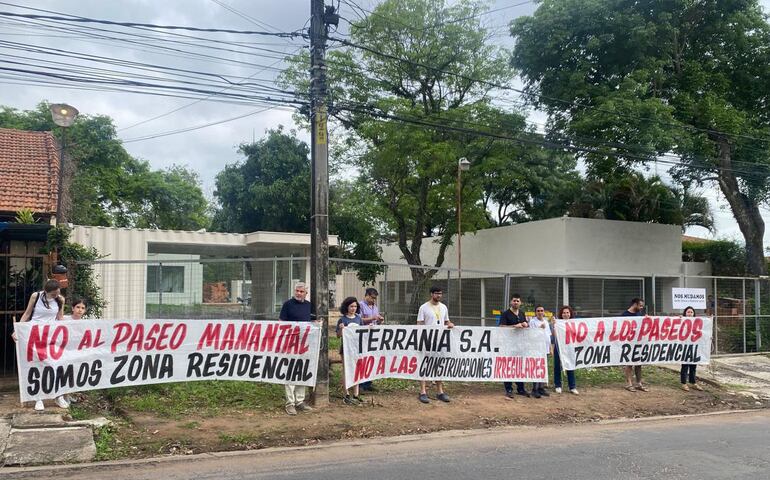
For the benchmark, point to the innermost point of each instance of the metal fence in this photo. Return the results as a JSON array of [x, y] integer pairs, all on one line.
[[255, 288]]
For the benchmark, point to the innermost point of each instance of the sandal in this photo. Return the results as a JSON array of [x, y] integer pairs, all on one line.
[[697, 387], [630, 388], [642, 388]]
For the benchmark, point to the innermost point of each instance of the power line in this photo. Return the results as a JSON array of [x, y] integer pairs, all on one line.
[[179, 108], [541, 96], [532, 139], [78, 19], [249, 18], [197, 127]]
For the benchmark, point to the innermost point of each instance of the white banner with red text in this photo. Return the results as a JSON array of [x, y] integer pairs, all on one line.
[[481, 354], [55, 358], [603, 342]]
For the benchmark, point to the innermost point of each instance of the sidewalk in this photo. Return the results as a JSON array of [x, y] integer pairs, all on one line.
[[28, 437]]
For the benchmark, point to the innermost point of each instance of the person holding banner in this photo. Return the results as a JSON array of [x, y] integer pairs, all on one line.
[[635, 309], [78, 309], [370, 315], [433, 313], [541, 323], [514, 318], [688, 369], [349, 311], [296, 309], [565, 314], [45, 306]]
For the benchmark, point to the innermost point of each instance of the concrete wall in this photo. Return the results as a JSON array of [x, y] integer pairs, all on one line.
[[577, 246]]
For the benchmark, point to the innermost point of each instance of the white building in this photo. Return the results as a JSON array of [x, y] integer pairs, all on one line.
[[596, 266], [162, 272]]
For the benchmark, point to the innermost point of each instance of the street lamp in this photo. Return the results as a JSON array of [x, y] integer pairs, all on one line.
[[462, 166], [64, 116]]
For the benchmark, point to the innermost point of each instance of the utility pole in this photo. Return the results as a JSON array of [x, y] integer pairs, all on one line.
[[320, 17]]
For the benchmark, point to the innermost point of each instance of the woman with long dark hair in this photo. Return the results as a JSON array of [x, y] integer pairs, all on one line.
[[564, 314], [349, 311], [45, 306]]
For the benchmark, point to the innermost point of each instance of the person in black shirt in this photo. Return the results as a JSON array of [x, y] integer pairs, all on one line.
[[514, 318], [635, 309], [296, 309]]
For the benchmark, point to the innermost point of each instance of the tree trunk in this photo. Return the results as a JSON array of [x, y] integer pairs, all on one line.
[[745, 211]]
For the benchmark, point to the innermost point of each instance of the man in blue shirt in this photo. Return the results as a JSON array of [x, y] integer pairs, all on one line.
[[635, 309], [296, 309]]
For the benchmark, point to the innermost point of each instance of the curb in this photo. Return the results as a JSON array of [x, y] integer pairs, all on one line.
[[350, 443]]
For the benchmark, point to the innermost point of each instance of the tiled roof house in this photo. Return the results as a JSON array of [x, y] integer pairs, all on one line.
[[29, 173]]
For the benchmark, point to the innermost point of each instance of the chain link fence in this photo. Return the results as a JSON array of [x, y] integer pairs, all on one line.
[[255, 288]]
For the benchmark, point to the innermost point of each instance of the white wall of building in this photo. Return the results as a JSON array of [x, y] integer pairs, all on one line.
[[564, 246], [124, 285]]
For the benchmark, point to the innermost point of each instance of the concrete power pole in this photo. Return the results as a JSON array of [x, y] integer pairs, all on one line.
[[319, 198]]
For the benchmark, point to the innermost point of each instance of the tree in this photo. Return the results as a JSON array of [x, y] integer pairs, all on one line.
[[631, 197], [269, 190], [632, 81], [526, 183], [396, 78], [111, 188]]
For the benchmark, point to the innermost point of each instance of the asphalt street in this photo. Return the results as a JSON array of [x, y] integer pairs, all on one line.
[[730, 446]]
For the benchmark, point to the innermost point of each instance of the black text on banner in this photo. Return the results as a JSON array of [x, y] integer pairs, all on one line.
[[437, 353], [602, 342], [55, 358]]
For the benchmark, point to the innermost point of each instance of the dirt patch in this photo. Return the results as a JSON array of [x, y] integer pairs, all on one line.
[[398, 413]]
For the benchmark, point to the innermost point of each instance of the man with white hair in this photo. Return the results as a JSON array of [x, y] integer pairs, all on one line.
[[296, 309]]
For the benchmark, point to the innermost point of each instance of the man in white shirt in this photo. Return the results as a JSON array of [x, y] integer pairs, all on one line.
[[433, 313]]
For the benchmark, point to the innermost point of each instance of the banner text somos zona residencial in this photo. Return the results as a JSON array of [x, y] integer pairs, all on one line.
[[61, 357]]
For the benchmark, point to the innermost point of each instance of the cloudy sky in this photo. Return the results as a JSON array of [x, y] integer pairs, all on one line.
[[138, 116]]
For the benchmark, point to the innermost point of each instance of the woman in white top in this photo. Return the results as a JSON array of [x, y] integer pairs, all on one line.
[[45, 306]]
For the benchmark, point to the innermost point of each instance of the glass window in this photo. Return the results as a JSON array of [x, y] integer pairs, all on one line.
[[171, 282]]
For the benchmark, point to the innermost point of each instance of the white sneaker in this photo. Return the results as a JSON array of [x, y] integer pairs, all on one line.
[[574, 391], [39, 406], [70, 399], [62, 402], [557, 389]]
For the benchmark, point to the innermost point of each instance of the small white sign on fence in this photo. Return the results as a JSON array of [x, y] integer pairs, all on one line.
[[682, 298]]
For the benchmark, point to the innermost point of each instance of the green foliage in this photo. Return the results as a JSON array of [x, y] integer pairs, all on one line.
[[410, 172], [269, 190], [205, 398], [726, 257], [527, 183], [82, 277], [25, 216], [630, 196], [655, 78], [109, 186]]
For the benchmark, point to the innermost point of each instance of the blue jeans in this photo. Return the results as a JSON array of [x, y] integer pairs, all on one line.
[[557, 370]]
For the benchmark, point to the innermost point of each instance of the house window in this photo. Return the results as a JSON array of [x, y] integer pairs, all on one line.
[[171, 280]]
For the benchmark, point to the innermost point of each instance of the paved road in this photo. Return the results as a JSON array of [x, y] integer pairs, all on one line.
[[733, 446]]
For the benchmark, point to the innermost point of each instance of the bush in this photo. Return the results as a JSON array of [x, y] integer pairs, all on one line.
[[82, 277], [727, 258]]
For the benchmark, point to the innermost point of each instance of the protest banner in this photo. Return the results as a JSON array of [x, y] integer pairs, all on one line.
[[55, 358], [480, 354], [603, 342]]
